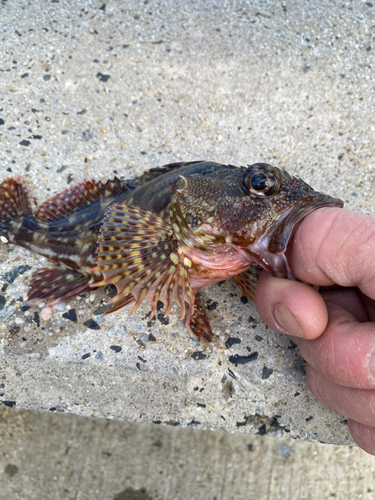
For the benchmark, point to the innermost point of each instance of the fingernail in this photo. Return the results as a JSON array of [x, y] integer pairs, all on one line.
[[286, 321]]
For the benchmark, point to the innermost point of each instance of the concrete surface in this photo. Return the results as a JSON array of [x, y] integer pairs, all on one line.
[[93, 89], [46, 456]]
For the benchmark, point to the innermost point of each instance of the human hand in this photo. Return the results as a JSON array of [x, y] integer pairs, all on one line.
[[334, 328]]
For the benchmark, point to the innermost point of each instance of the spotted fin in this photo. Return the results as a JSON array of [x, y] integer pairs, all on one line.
[[198, 324], [80, 196], [139, 254], [56, 285], [125, 301], [248, 280], [14, 203]]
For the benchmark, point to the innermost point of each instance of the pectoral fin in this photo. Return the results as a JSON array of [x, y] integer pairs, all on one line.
[[139, 254], [248, 280]]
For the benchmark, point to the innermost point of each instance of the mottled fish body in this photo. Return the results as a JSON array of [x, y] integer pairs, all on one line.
[[163, 235]]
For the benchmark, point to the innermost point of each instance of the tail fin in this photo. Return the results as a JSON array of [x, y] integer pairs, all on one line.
[[14, 203]]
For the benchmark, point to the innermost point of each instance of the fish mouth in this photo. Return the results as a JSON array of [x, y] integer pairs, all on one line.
[[270, 249]]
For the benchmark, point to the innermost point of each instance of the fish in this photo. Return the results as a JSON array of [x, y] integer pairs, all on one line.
[[162, 235]]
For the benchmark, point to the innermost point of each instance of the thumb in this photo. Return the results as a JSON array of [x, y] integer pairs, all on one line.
[[291, 307]]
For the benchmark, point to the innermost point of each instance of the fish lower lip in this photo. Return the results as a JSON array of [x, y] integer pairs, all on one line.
[[270, 249], [279, 239]]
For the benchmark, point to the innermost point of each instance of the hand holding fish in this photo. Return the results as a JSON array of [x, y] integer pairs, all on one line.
[[334, 329]]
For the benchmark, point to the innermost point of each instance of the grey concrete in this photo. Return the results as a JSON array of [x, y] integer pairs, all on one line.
[[91, 90], [45, 456]]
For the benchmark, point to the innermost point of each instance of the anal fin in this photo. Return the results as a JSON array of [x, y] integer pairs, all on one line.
[[248, 280], [56, 285]]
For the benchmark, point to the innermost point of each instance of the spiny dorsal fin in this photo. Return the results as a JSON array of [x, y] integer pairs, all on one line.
[[81, 196], [155, 172]]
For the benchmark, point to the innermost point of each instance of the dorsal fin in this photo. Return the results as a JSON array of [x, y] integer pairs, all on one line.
[[155, 172], [81, 196]]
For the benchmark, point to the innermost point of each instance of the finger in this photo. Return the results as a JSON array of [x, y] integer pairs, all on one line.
[[363, 435], [345, 353], [369, 305], [333, 245], [350, 300], [291, 307], [356, 404]]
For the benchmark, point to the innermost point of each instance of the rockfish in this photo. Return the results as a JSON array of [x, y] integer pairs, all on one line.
[[163, 235]]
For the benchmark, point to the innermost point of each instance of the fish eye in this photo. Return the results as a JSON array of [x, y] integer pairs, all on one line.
[[259, 182], [260, 179]]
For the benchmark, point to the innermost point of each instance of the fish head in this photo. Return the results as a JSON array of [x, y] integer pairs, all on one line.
[[255, 211], [288, 200]]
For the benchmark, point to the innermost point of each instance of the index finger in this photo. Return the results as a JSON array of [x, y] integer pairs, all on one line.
[[335, 246]]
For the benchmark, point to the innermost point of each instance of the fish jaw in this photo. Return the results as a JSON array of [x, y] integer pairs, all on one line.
[[269, 249]]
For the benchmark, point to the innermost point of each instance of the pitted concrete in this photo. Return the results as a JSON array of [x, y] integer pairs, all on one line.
[[95, 89], [46, 456]]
